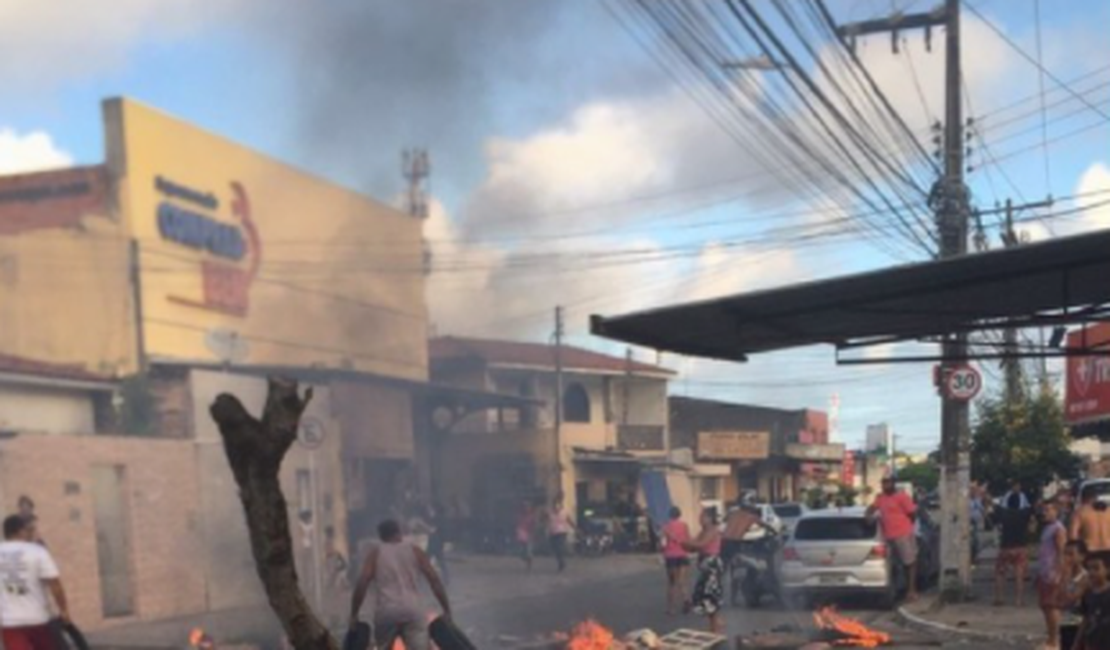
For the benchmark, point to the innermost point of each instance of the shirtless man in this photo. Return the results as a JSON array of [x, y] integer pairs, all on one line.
[[1091, 524]]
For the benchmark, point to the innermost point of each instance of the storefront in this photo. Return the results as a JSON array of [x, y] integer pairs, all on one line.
[[183, 262]]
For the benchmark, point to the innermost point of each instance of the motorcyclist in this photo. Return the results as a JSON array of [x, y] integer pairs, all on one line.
[[738, 524]]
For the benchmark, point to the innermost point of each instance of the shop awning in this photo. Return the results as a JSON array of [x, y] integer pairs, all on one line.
[[1060, 281]]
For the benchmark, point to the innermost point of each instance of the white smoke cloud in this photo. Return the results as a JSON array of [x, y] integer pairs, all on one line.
[[29, 152]]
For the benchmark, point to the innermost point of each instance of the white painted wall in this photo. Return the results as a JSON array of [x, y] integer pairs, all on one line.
[[46, 410]]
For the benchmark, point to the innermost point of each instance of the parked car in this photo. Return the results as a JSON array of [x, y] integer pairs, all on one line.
[[837, 552], [789, 514], [1098, 486]]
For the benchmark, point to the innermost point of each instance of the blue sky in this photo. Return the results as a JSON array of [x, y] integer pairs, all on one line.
[[535, 114]]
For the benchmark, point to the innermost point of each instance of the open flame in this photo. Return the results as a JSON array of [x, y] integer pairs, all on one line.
[[590, 635], [854, 632], [199, 639]]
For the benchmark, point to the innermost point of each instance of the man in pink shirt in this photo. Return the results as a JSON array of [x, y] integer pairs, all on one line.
[[896, 512]]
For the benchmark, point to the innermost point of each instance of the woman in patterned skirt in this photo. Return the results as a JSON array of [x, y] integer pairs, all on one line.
[[709, 589]]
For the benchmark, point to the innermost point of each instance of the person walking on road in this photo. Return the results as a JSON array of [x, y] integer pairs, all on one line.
[[525, 527], [675, 534], [559, 526], [709, 590], [1091, 524], [437, 540], [896, 512], [1013, 553], [392, 569], [27, 573], [1050, 553]]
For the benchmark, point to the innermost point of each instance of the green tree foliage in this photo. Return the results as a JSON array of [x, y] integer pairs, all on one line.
[[1022, 439], [923, 475]]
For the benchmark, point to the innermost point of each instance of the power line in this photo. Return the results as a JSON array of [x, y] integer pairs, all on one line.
[[1025, 55]]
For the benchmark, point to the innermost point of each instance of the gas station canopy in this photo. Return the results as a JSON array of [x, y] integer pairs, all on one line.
[[1053, 283]]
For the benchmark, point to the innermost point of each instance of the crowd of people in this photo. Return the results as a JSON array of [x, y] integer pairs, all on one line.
[[1072, 542]]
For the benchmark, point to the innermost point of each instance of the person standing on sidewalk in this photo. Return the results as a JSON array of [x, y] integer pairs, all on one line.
[[675, 534], [896, 512], [1094, 633], [1050, 554], [1091, 524], [559, 526], [1013, 519], [27, 572]]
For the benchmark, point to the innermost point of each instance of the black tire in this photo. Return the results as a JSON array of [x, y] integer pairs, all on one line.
[[752, 590]]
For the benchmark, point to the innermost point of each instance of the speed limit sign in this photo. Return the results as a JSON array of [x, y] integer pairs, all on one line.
[[963, 383]]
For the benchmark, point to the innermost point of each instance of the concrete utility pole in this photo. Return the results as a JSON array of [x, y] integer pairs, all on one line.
[[952, 214], [558, 469]]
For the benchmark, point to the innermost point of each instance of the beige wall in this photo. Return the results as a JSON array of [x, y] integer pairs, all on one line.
[[46, 410], [161, 496], [230, 567], [65, 297]]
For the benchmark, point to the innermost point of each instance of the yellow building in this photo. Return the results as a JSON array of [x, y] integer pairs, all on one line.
[[193, 265]]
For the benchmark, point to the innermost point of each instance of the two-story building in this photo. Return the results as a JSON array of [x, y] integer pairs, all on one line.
[[594, 445], [773, 453]]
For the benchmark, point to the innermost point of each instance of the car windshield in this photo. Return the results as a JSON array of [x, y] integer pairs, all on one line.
[[788, 510], [1100, 489], [835, 528]]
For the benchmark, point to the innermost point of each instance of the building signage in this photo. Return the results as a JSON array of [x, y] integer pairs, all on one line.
[[1088, 384], [734, 445], [822, 453], [52, 199], [185, 218]]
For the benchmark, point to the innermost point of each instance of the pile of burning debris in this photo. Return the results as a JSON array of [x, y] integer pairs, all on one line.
[[829, 630]]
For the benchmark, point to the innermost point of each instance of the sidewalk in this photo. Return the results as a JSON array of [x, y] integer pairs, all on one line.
[[981, 619]]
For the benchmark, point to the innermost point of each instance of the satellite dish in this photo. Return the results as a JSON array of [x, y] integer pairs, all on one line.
[[227, 346]]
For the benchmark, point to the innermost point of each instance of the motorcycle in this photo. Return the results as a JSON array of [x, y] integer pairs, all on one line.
[[594, 538], [752, 569]]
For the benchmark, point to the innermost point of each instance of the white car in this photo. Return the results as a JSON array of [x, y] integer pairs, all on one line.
[[789, 513], [1099, 486], [835, 552]]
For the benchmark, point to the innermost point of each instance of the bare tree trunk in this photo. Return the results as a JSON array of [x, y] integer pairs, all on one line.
[[255, 449]]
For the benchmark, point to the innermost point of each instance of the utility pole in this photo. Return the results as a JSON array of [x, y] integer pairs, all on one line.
[[950, 202], [558, 469]]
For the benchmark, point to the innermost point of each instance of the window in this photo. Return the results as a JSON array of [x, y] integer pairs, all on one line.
[[827, 529], [576, 404], [710, 488], [788, 510]]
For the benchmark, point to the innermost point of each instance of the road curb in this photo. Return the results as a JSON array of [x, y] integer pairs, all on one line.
[[921, 624]]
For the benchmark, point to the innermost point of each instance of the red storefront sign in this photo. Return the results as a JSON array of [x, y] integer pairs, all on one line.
[[848, 469], [1088, 382]]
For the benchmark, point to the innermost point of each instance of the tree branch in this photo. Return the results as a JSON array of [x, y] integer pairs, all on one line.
[[255, 449]]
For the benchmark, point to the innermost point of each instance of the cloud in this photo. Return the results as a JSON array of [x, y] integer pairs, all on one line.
[[29, 152], [1094, 190], [45, 43]]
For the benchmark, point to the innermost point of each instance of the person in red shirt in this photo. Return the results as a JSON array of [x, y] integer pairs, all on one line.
[[675, 534], [896, 511]]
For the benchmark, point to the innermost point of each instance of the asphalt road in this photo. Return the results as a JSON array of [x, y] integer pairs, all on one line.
[[633, 598]]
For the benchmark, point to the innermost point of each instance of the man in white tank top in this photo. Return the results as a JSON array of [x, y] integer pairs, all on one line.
[[392, 569]]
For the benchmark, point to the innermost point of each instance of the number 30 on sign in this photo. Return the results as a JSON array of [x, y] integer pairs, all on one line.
[[963, 383]]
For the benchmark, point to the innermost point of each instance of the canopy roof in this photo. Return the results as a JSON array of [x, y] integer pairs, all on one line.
[[1056, 282]]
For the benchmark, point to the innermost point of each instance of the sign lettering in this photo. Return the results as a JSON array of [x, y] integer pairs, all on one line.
[[734, 445], [1088, 380]]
